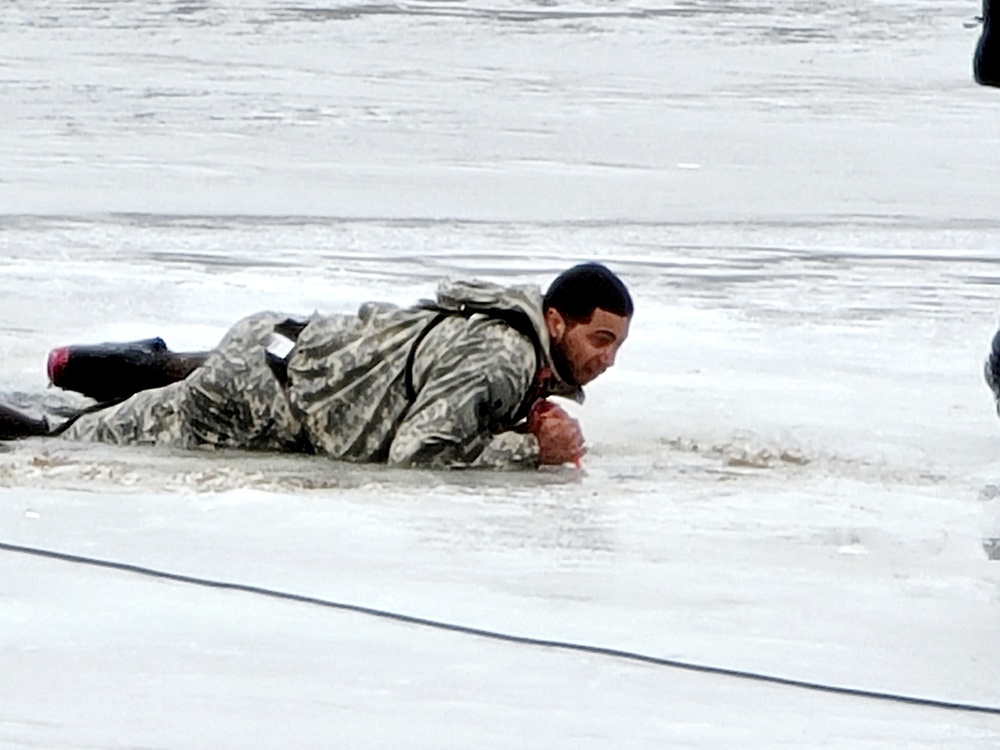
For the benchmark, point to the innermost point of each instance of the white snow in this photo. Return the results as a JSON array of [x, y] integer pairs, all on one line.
[[793, 468]]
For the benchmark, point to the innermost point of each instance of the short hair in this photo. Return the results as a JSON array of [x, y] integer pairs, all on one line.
[[577, 292]]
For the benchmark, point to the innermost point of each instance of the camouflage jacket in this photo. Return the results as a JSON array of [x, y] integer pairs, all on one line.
[[413, 386]]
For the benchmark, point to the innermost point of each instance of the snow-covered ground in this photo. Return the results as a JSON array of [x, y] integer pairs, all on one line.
[[794, 468]]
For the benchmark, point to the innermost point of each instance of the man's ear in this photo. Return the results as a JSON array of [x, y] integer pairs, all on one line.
[[555, 322]]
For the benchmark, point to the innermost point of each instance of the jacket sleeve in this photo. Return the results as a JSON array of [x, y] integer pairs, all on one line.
[[509, 450], [470, 376]]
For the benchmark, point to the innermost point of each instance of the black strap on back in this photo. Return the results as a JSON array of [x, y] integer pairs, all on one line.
[[411, 393], [516, 320]]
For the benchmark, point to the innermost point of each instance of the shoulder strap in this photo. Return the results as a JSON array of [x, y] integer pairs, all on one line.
[[411, 393], [516, 320]]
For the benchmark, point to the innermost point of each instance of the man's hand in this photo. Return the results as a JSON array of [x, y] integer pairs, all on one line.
[[560, 440]]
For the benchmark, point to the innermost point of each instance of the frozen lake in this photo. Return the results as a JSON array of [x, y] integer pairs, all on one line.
[[793, 468]]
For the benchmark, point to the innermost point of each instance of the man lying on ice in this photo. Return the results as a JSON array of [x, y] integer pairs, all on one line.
[[460, 382]]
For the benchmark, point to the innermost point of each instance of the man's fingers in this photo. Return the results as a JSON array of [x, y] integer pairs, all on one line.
[[559, 434], [574, 445]]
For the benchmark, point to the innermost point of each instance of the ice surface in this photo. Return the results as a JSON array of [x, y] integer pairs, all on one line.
[[793, 468]]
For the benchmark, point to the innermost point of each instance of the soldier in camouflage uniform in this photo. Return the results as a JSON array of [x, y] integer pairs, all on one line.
[[460, 382]]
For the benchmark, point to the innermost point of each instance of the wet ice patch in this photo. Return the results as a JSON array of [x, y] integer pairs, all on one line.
[[748, 454], [54, 463]]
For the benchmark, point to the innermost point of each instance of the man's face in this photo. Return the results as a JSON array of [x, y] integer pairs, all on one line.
[[582, 351]]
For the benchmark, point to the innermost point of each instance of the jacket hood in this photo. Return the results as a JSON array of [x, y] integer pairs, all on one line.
[[526, 299]]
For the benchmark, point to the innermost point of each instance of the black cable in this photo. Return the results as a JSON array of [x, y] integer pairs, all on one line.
[[506, 637]]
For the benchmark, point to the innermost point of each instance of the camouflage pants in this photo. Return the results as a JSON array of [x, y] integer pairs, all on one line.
[[233, 400]]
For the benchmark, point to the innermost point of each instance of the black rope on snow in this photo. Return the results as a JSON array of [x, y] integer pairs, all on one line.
[[505, 637]]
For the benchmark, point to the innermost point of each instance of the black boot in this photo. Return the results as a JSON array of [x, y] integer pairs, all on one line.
[[14, 425], [991, 372], [113, 372], [986, 63]]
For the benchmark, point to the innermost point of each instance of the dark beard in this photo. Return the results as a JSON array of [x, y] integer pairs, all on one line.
[[561, 363]]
